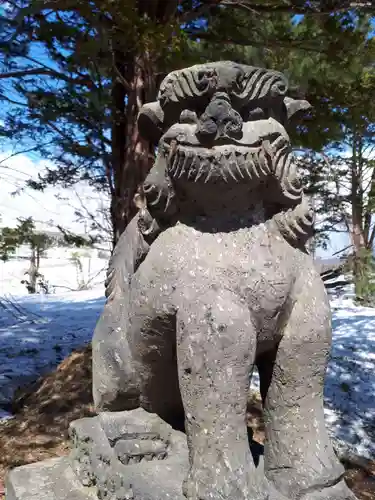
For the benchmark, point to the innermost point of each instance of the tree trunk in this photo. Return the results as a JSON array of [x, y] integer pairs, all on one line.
[[357, 224], [131, 156], [32, 272], [134, 84]]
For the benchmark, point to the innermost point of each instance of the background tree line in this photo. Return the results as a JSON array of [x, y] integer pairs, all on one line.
[[73, 76]]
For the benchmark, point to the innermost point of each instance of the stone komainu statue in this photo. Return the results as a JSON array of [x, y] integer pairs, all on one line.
[[212, 278]]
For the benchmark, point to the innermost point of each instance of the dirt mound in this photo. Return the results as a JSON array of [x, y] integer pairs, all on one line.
[[44, 410]]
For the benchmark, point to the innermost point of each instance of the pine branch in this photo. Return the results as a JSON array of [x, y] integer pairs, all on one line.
[[42, 71], [12, 101], [23, 151], [294, 7], [246, 42]]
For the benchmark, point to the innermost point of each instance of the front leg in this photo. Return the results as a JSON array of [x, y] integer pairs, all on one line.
[[299, 458], [216, 345]]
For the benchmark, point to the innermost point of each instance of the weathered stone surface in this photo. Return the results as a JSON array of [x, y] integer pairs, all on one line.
[[155, 465], [48, 480], [92, 454], [211, 278]]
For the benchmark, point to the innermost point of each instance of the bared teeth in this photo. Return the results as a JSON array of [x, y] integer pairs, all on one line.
[[222, 162], [250, 166], [210, 172], [190, 164], [200, 170], [175, 163], [262, 162], [234, 165], [182, 164], [228, 166], [277, 159]]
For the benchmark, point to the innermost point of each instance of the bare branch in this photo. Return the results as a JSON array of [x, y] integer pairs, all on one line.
[[24, 72], [34, 148], [371, 238], [90, 215]]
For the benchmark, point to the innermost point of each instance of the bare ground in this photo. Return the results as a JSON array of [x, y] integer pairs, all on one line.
[[43, 413]]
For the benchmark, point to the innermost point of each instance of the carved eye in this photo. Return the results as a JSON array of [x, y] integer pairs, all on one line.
[[255, 114], [188, 116]]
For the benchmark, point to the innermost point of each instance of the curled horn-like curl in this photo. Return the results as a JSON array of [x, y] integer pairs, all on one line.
[[190, 82], [297, 223], [258, 83]]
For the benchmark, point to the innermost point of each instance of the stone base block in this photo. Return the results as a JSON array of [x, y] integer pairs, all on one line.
[[130, 455], [49, 480]]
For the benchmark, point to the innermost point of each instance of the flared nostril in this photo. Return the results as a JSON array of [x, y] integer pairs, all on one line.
[[233, 127], [219, 120], [208, 127], [207, 130]]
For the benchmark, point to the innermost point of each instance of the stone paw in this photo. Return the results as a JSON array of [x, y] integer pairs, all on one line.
[[215, 485], [136, 436], [132, 451], [339, 491]]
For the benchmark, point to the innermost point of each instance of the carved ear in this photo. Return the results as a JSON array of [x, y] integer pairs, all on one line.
[[296, 109], [150, 122]]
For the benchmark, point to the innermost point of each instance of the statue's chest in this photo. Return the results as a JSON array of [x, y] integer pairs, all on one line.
[[252, 262]]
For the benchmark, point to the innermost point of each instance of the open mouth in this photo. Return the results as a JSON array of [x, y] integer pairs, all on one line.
[[233, 163], [220, 163]]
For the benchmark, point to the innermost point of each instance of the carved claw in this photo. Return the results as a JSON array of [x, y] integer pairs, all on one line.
[[132, 451]]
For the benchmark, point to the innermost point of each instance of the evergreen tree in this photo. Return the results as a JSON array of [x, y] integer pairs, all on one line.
[[77, 73], [38, 242]]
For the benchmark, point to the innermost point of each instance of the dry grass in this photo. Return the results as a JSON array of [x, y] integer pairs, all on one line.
[[44, 411], [40, 428]]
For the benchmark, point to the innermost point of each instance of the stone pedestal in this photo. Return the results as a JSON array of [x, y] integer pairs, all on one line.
[[115, 456]]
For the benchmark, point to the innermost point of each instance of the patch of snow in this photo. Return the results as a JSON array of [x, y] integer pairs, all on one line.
[[350, 382], [40, 331], [60, 272], [349, 393]]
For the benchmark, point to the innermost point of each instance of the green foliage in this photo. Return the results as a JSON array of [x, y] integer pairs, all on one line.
[[66, 102], [321, 55], [65, 97], [75, 240], [9, 242], [23, 234], [362, 266]]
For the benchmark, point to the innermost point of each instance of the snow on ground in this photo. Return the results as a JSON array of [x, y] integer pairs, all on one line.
[[59, 270], [40, 332], [350, 381], [349, 393], [53, 325]]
